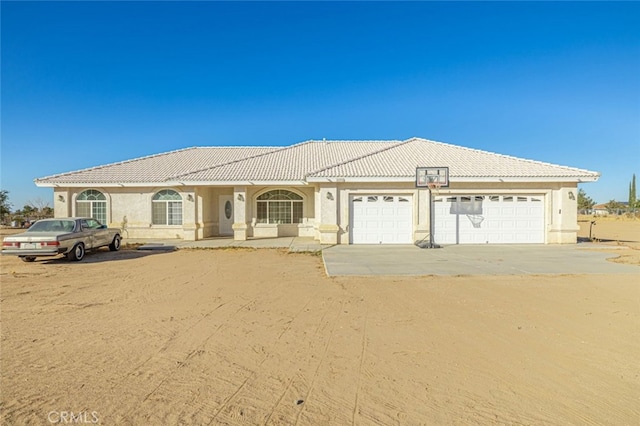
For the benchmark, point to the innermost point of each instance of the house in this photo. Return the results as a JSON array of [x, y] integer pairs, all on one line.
[[600, 210], [338, 192], [606, 208]]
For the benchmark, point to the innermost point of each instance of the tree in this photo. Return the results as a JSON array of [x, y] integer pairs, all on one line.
[[614, 206], [632, 193], [28, 210], [5, 205], [38, 207], [584, 202]]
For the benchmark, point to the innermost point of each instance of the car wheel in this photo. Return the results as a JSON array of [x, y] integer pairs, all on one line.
[[115, 244], [28, 258], [77, 252]]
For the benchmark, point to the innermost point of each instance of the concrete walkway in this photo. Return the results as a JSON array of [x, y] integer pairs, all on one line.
[[293, 244], [471, 260]]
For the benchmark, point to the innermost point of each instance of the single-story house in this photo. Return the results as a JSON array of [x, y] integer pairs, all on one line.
[[605, 208], [338, 192]]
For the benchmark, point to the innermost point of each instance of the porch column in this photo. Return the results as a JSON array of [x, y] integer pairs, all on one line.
[[240, 213], [329, 228], [564, 215], [422, 222], [190, 212]]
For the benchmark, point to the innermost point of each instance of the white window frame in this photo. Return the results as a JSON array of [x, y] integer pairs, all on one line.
[[95, 205], [169, 205], [270, 206]]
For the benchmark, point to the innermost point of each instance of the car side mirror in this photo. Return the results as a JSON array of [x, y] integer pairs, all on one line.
[[102, 227]]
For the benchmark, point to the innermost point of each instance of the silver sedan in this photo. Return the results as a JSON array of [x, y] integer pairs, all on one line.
[[71, 236]]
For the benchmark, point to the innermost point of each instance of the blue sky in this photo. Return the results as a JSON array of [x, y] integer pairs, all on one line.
[[89, 83]]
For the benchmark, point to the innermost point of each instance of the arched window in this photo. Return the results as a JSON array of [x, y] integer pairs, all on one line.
[[166, 208], [279, 206], [92, 203]]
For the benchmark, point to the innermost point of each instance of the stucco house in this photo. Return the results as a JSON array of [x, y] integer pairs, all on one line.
[[338, 192]]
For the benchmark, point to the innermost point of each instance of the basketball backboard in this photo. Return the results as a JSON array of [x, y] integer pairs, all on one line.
[[432, 175]]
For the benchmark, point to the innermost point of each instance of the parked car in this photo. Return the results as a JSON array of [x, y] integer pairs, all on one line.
[[71, 236]]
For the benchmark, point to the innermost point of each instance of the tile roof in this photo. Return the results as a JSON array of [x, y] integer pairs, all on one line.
[[402, 160], [315, 160], [158, 167], [291, 163]]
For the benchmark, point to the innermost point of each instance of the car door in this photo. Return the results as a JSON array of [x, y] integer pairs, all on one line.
[[100, 233]]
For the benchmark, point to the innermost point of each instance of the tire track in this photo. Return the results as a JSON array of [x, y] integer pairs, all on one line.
[[324, 355], [362, 355], [269, 356], [197, 349]]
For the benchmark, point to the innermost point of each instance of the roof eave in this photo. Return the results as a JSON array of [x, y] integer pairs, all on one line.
[[170, 183], [484, 179]]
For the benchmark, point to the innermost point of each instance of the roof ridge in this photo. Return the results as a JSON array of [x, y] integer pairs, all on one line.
[[276, 149], [102, 166], [511, 157], [396, 143]]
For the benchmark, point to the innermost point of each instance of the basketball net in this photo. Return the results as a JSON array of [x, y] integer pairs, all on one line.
[[476, 220], [434, 187]]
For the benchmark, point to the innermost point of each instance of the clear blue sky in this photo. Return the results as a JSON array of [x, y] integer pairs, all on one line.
[[85, 83]]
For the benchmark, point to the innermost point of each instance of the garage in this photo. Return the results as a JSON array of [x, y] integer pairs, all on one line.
[[381, 219], [489, 219]]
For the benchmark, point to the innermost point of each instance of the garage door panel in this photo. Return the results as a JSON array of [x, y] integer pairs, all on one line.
[[505, 219], [384, 219]]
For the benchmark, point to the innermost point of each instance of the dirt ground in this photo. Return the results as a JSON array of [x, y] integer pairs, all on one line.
[[616, 232], [264, 337]]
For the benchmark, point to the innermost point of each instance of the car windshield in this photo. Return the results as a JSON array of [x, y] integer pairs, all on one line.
[[52, 226]]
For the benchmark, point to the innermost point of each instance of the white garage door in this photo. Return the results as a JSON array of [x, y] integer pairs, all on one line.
[[381, 219], [493, 219]]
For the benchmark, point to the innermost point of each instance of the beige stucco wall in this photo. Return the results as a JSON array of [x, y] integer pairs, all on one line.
[[326, 209], [265, 230]]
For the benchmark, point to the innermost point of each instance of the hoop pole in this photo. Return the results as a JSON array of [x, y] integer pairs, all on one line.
[[431, 221]]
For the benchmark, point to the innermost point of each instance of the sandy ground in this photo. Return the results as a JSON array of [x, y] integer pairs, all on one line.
[[264, 337], [616, 232]]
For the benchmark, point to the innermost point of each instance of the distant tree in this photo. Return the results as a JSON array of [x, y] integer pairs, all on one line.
[[38, 206], [584, 202], [47, 212], [28, 210], [5, 205], [614, 206], [633, 201]]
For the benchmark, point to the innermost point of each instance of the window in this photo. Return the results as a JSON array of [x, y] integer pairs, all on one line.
[[90, 224], [372, 199], [92, 203], [166, 208], [280, 207]]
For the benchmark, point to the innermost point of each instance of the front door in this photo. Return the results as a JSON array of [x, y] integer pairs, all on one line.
[[225, 214]]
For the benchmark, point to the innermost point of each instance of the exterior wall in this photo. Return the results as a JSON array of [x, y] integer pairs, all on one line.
[[209, 206], [564, 228], [334, 215], [346, 190], [326, 214], [130, 210], [269, 230]]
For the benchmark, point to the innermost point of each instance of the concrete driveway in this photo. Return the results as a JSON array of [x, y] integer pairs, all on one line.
[[472, 260]]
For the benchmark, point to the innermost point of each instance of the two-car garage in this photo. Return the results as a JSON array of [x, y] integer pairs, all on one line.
[[458, 219], [489, 219]]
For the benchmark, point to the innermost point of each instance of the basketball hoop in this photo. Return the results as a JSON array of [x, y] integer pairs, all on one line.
[[434, 187], [475, 219]]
